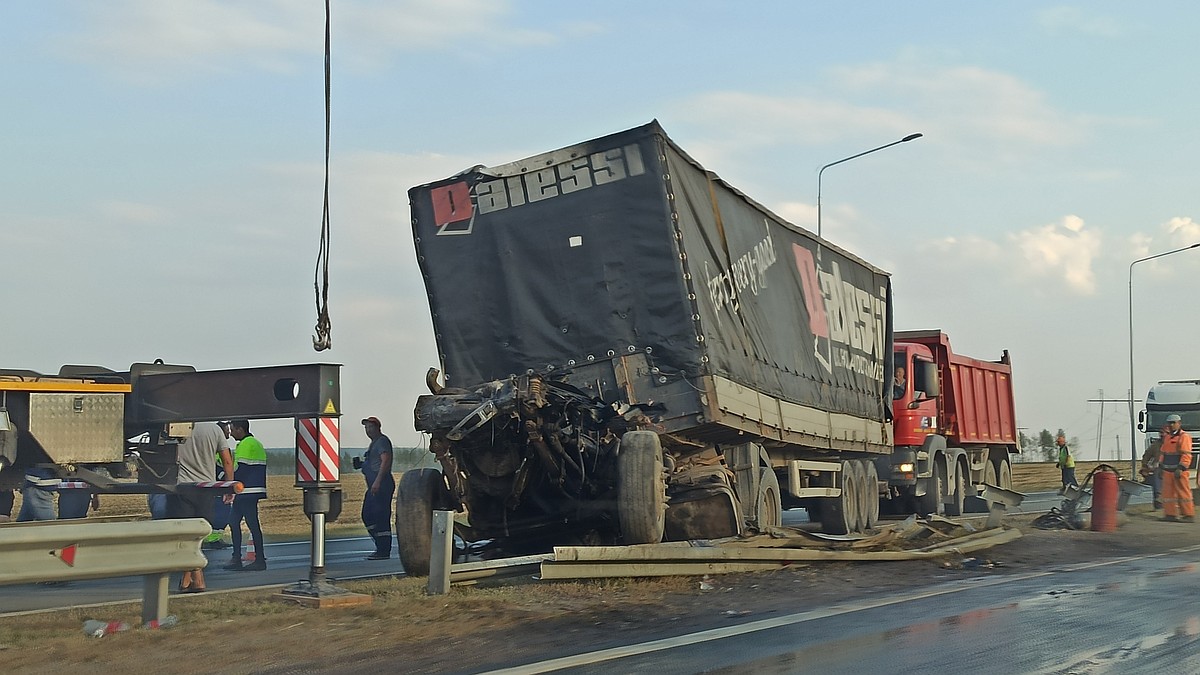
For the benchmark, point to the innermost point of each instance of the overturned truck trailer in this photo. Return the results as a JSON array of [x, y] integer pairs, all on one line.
[[633, 349]]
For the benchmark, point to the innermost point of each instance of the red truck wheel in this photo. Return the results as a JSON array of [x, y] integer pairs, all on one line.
[[931, 503], [958, 492], [1004, 473]]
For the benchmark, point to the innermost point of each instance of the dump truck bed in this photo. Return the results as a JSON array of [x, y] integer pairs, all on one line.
[[977, 395]]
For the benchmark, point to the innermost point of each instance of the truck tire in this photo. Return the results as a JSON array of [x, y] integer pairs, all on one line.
[[871, 492], [989, 474], [839, 515], [641, 489], [420, 492], [860, 495], [768, 511], [1004, 473], [958, 491], [931, 503]]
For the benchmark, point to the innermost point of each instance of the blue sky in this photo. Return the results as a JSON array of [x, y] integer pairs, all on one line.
[[161, 190]]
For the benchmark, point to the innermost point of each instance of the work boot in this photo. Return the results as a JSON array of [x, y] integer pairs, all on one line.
[[1169, 519], [235, 564], [258, 565], [1187, 519]]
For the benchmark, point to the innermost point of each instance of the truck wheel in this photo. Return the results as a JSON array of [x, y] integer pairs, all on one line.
[[871, 494], [958, 492], [839, 515], [989, 474], [931, 502], [768, 512], [1004, 473], [860, 495], [419, 493], [641, 490]]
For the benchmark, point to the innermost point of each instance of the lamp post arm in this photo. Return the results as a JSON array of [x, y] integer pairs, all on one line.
[[910, 137], [1132, 424]]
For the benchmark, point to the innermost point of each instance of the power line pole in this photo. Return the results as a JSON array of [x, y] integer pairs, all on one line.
[[1128, 401], [1100, 430]]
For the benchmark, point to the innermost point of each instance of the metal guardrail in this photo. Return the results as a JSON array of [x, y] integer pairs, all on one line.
[[74, 550]]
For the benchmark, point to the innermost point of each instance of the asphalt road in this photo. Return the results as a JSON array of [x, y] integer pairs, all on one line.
[[1135, 615], [287, 562]]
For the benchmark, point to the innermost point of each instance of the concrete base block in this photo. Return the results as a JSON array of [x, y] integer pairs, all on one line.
[[327, 601]]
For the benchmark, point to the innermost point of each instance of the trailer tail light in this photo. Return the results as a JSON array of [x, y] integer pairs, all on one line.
[[906, 467]]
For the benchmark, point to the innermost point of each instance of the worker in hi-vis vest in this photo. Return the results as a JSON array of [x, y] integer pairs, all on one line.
[[251, 459], [1176, 458]]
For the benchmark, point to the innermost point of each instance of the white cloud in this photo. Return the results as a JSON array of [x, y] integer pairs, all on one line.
[[132, 213], [1064, 19], [1182, 231], [1064, 252], [1064, 249], [150, 41], [984, 117]]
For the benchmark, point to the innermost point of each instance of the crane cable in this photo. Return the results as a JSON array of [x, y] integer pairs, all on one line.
[[322, 340]]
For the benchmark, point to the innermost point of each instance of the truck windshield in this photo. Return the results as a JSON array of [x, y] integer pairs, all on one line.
[[1157, 417]]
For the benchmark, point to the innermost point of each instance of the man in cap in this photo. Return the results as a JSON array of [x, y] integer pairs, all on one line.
[[1176, 458], [377, 503]]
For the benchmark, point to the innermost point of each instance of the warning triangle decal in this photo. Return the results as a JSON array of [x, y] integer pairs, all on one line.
[[66, 555], [329, 409]]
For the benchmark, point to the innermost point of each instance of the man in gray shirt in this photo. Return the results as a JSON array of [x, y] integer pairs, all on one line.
[[195, 457]]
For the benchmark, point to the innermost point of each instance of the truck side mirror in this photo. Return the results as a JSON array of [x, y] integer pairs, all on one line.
[[1141, 425], [929, 371]]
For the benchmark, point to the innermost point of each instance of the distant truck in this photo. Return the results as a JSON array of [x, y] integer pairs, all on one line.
[[634, 350], [1173, 397]]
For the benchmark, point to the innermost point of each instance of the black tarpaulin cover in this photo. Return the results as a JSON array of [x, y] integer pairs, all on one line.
[[624, 243]]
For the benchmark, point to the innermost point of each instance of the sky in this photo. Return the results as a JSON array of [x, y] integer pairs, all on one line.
[[163, 167]]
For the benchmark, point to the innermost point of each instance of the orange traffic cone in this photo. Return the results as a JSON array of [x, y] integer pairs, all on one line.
[[249, 550]]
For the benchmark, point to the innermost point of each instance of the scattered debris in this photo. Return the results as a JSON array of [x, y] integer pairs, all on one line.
[[94, 628], [155, 624], [780, 547]]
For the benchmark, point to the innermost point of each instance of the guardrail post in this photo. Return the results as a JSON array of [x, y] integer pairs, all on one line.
[[441, 553], [318, 469], [154, 597]]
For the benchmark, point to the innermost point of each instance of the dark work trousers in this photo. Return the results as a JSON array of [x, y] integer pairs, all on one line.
[[245, 507], [377, 513]]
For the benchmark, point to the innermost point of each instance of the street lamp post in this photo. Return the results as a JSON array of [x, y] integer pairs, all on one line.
[[1132, 421], [910, 137]]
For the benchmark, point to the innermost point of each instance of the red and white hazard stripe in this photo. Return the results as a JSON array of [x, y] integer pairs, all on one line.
[[236, 485], [72, 485], [317, 450]]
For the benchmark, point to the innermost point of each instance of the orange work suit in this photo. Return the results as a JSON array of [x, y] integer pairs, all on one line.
[[1177, 490]]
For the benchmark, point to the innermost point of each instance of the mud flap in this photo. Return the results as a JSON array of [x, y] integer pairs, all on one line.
[[710, 512]]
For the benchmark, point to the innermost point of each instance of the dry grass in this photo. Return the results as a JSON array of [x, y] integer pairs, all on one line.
[[1042, 476], [401, 614]]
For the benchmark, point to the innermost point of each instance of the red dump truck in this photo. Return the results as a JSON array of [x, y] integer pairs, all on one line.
[[954, 425], [634, 350]]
